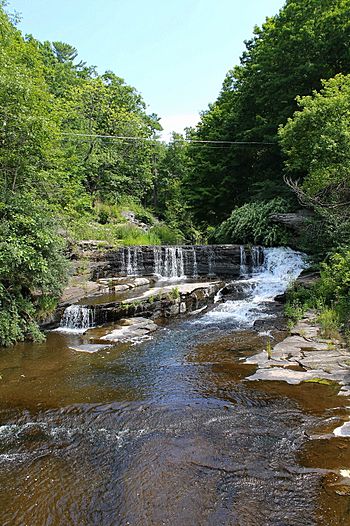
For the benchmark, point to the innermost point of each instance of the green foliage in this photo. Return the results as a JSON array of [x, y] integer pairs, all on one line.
[[174, 294], [167, 235], [316, 142], [287, 57], [17, 318], [330, 323], [131, 235], [251, 223], [334, 287], [294, 310], [317, 139], [330, 297], [32, 268]]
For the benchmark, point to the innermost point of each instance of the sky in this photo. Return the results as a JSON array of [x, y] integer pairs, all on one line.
[[176, 53]]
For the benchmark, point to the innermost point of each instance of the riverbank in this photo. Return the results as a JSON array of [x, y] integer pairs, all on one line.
[[305, 356], [315, 357]]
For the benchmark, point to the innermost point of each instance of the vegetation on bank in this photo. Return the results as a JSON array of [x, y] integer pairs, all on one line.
[[64, 177], [329, 296], [282, 122]]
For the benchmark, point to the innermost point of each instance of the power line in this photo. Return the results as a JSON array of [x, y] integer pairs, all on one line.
[[149, 139]]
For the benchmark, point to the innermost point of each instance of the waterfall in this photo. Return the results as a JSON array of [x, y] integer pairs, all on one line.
[[211, 260], [77, 318], [243, 262], [195, 267], [257, 255], [123, 262], [275, 269], [134, 261], [169, 262], [157, 256], [131, 266]]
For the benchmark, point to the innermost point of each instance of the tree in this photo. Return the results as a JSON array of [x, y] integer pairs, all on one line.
[[288, 56], [316, 142]]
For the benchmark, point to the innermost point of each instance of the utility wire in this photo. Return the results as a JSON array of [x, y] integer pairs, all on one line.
[[149, 139]]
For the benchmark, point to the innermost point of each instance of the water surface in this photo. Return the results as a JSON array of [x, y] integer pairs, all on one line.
[[168, 431]]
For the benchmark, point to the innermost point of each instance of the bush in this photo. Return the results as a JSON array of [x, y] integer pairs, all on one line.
[[167, 235], [334, 286], [330, 296], [32, 265], [330, 323], [132, 235], [251, 224]]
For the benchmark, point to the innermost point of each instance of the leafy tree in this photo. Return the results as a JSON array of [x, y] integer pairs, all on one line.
[[307, 41], [32, 267], [169, 195], [316, 142]]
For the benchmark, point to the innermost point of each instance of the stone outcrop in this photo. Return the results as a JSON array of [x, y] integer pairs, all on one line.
[[79, 289], [305, 356], [131, 329], [293, 221], [159, 302], [103, 261]]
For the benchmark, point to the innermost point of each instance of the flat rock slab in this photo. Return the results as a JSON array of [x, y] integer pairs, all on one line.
[[89, 347], [73, 293], [183, 288], [288, 375], [131, 329], [293, 344], [343, 431], [320, 359]]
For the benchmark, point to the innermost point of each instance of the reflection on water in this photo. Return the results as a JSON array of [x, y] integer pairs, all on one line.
[[165, 432]]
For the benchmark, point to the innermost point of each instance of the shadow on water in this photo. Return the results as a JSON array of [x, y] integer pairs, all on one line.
[[165, 432]]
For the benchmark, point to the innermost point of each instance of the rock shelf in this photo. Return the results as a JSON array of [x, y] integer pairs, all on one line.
[[305, 357]]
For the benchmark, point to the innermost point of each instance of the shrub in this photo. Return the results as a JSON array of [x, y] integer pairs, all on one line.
[[330, 323], [32, 265], [251, 224], [174, 294], [167, 235]]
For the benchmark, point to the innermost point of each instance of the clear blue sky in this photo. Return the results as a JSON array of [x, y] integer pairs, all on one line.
[[175, 52]]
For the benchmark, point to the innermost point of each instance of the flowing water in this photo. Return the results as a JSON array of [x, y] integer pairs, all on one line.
[[168, 432], [77, 318]]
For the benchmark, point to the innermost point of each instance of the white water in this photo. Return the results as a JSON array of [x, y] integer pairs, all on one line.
[[195, 267], [132, 264], [77, 319], [281, 266], [243, 266], [169, 262]]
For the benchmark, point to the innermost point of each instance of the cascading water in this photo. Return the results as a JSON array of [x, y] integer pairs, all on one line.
[[195, 267], [77, 318], [257, 255], [279, 268], [211, 261], [169, 262], [243, 262], [134, 261]]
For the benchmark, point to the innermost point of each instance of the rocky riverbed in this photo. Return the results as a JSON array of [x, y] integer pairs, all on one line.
[[305, 356]]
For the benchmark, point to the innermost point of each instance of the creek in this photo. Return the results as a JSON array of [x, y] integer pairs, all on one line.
[[167, 431]]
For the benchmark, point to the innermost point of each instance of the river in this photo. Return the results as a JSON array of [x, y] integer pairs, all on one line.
[[168, 431]]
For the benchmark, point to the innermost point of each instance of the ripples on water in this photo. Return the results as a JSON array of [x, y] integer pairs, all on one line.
[[166, 432]]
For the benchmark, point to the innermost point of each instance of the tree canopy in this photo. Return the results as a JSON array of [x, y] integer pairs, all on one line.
[[307, 41]]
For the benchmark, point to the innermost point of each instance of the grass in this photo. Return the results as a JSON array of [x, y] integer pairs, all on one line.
[[106, 223], [322, 381], [330, 323], [174, 294]]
